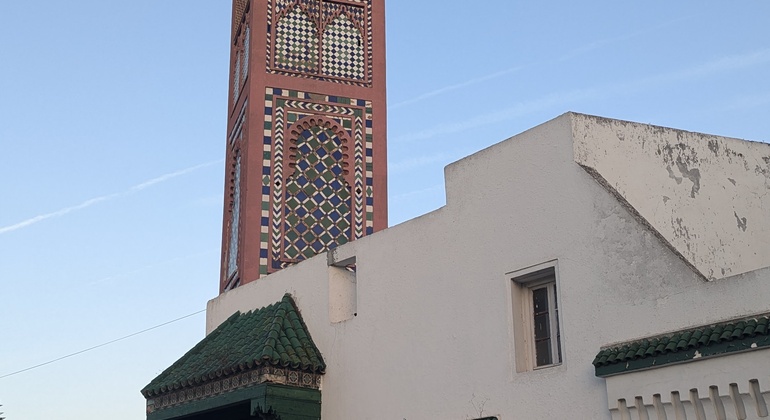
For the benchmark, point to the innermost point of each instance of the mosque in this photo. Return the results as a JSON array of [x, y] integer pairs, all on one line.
[[587, 268]]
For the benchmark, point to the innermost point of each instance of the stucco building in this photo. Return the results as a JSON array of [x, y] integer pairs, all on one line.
[[585, 269]]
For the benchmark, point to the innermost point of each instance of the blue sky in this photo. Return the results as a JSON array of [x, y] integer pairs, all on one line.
[[112, 131]]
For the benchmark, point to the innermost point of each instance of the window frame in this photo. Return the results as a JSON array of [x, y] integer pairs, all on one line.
[[524, 283], [549, 285]]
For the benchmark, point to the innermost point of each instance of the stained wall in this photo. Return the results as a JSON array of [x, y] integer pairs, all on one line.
[[426, 328]]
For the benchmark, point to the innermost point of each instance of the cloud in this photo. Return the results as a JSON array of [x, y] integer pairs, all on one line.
[[748, 101], [408, 164], [432, 190], [151, 267], [717, 66], [171, 175], [595, 45], [450, 88], [93, 201], [584, 49], [518, 110]]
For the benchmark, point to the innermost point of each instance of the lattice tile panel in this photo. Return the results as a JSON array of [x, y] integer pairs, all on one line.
[[296, 42], [284, 109], [239, 8], [317, 196], [343, 50], [343, 40]]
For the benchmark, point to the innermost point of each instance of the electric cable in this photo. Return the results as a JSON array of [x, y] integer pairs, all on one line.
[[101, 345]]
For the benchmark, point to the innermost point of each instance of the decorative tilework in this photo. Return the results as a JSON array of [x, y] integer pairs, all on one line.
[[252, 378], [235, 218], [356, 14], [237, 77], [284, 109], [296, 42], [343, 50], [235, 140], [246, 53], [343, 31], [317, 196], [239, 9]]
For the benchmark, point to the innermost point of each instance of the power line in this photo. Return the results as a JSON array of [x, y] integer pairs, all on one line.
[[101, 345]]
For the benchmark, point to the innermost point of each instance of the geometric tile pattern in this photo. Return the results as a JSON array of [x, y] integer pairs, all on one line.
[[343, 50], [286, 111], [239, 9], [237, 77], [685, 345], [235, 217], [246, 52], [230, 253], [270, 344], [260, 375], [318, 209], [241, 46], [296, 42], [341, 32]]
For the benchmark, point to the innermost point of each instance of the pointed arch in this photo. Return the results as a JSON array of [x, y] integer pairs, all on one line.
[[343, 49], [318, 214], [296, 41]]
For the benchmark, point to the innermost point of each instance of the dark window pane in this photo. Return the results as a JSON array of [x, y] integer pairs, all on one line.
[[543, 352], [542, 327], [557, 331], [555, 301], [540, 300]]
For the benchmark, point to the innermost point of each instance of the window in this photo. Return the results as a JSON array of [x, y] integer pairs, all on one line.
[[545, 319], [237, 78], [246, 52], [235, 218], [536, 317], [323, 38]]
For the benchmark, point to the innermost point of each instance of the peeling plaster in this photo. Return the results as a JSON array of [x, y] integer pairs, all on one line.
[[714, 147], [727, 182], [692, 174], [741, 222], [671, 175]]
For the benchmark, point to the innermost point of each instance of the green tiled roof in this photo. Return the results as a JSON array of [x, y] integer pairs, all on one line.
[[685, 345], [274, 335]]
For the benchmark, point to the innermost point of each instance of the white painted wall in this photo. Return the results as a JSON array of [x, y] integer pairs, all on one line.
[[433, 334], [714, 387], [707, 196]]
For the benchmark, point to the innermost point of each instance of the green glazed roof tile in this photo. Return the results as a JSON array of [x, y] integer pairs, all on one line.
[[274, 335], [685, 345]]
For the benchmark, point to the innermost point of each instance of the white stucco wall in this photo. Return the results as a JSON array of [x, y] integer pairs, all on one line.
[[707, 196], [433, 331], [734, 386]]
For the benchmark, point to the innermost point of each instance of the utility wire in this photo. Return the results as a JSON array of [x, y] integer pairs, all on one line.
[[102, 345]]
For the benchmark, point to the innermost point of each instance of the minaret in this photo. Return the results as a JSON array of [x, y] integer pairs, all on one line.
[[306, 152]]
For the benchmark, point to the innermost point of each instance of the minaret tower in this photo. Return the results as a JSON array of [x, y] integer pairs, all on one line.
[[306, 152]]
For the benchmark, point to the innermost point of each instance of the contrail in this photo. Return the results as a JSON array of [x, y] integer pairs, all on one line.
[[407, 165], [150, 267], [166, 177], [595, 45], [450, 88], [515, 111], [720, 65], [96, 200], [569, 56]]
